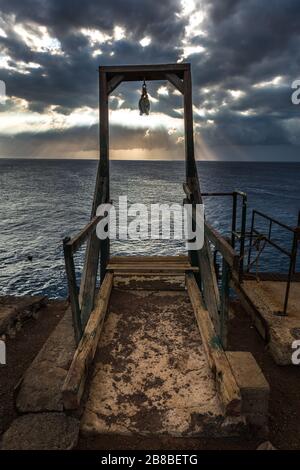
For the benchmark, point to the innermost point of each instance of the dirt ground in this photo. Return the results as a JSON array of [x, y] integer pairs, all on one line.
[[20, 352], [284, 409], [284, 414]]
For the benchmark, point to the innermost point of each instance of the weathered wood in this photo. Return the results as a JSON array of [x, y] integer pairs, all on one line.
[[224, 313], [188, 192], [201, 257], [104, 128], [81, 236], [143, 259], [147, 72], [231, 257], [205, 262], [151, 264], [104, 160], [97, 248], [191, 170], [73, 290], [86, 295], [176, 82], [228, 389], [90, 280], [73, 387], [210, 286], [151, 269], [114, 82]]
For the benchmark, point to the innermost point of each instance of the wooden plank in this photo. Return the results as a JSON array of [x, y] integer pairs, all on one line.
[[191, 170], [101, 195], [104, 129], [150, 268], [176, 82], [73, 387], [205, 263], [149, 281], [147, 274], [147, 72], [227, 387], [104, 161], [188, 192], [114, 82], [142, 259], [81, 236], [152, 263], [73, 291], [224, 314], [183, 264], [230, 255]]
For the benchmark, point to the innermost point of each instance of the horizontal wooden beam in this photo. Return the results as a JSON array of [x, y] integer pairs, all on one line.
[[74, 384], [143, 259], [228, 390], [152, 268], [75, 242], [147, 72]]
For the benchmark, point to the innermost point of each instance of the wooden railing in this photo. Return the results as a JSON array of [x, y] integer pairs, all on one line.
[[71, 245], [216, 300], [82, 299]]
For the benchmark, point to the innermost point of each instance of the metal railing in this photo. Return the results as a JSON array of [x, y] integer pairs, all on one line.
[[267, 239]]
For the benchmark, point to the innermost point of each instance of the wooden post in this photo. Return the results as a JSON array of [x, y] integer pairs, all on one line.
[[190, 166], [73, 290], [191, 170], [101, 195], [224, 303], [202, 258], [104, 161]]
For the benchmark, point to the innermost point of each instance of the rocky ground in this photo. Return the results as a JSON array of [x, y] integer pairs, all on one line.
[[22, 345]]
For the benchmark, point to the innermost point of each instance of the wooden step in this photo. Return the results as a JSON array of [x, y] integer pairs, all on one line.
[[150, 264]]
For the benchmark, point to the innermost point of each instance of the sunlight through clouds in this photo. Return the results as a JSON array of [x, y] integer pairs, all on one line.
[[146, 41], [38, 39], [153, 121], [49, 57], [95, 36], [193, 11], [163, 90]]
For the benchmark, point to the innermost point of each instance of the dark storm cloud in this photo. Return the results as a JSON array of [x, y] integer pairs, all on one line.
[[248, 38], [71, 79], [245, 41], [62, 16]]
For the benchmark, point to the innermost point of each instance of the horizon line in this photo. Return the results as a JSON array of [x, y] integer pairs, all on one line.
[[149, 160]]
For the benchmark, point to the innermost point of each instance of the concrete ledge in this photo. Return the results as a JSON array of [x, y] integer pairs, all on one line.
[[227, 387], [42, 431], [262, 300], [40, 389], [253, 386]]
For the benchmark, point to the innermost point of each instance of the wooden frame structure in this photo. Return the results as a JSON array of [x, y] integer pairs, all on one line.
[[82, 302]]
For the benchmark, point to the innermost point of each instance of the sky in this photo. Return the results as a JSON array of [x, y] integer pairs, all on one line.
[[244, 56]]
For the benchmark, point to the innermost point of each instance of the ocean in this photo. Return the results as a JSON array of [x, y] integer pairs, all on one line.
[[42, 201]]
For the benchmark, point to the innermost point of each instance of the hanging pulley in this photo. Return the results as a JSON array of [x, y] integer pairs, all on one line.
[[144, 103]]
